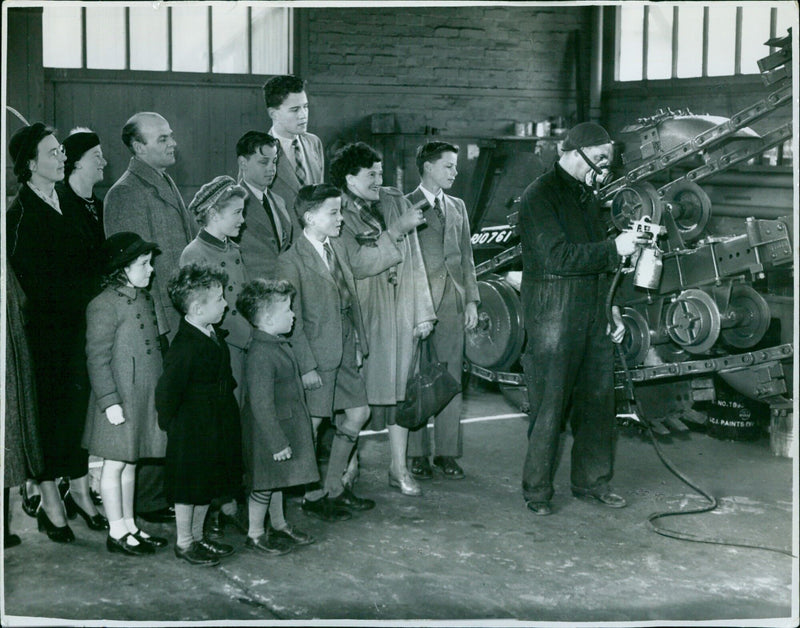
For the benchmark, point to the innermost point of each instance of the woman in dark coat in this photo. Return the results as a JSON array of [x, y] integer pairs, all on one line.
[[23, 453], [54, 260], [83, 169]]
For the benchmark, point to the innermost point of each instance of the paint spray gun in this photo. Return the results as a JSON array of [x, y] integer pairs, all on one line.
[[646, 263]]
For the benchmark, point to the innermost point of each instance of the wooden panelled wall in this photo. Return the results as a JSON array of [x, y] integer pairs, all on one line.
[[467, 71]]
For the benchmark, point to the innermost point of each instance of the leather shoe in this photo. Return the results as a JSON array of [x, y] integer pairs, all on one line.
[[325, 510], [291, 535], [540, 508], [57, 534], [220, 550], [163, 515], [606, 497], [156, 542], [196, 555], [349, 500], [448, 466], [11, 540], [121, 546], [213, 529], [420, 468], [405, 483], [93, 522], [30, 504], [267, 544]]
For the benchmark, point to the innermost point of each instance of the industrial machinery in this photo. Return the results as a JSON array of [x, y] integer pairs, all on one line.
[[713, 291]]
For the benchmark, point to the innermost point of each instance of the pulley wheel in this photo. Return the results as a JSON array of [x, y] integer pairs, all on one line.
[[752, 315], [691, 209], [496, 343], [636, 342], [693, 321], [633, 202]]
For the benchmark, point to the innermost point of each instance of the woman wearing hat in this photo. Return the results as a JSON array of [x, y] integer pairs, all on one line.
[[124, 363], [52, 256], [83, 169]]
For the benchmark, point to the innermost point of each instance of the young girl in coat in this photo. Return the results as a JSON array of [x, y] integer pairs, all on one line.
[[197, 408], [124, 363], [276, 426]]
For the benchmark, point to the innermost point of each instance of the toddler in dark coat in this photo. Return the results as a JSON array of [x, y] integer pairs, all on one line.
[[124, 363], [276, 426], [197, 408]]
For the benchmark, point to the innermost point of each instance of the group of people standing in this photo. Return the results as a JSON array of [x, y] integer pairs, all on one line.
[[197, 349]]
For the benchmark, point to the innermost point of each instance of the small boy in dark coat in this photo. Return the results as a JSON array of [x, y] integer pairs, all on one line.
[[197, 409], [276, 426]]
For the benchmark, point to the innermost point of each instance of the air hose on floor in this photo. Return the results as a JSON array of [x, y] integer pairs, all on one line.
[[712, 502]]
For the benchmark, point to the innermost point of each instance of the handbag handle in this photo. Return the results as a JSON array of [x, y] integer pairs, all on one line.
[[430, 348], [414, 360]]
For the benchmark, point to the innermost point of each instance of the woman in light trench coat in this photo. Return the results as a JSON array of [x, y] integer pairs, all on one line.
[[392, 290]]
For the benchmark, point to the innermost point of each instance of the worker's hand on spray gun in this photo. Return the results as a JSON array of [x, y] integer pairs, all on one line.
[[618, 333], [628, 242]]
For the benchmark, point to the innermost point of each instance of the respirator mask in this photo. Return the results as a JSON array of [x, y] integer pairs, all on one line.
[[597, 177]]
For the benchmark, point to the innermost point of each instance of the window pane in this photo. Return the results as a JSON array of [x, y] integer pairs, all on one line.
[[629, 51], [659, 42], [61, 36], [189, 38], [271, 37], [721, 40], [149, 37], [105, 37], [755, 31], [229, 35], [690, 41]]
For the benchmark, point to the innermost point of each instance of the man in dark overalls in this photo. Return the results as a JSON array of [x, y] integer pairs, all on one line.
[[569, 360]]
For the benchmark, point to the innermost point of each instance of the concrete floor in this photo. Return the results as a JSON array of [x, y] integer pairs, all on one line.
[[466, 550]]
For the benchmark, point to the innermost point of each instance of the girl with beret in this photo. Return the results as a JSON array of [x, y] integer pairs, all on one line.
[[124, 363], [52, 255], [218, 208]]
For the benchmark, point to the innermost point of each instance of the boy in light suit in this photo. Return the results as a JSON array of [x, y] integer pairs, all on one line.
[[447, 252], [328, 340]]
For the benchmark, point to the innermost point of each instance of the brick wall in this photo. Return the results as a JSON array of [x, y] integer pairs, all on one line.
[[462, 70]]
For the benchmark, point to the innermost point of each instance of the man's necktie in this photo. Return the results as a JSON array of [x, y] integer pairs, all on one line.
[[213, 335], [437, 207], [338, 275], [276, 230], [299, 171]]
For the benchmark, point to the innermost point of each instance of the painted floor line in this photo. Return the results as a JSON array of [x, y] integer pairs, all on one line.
[[476, 419]]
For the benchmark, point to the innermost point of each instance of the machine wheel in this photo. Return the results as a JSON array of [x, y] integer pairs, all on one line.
[[691, 209], [633, 202], [636, 343], [693, 321], [497, 341], [752, 315]]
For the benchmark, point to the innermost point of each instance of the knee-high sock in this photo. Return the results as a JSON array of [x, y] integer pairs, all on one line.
[[183, 522], [257, 505], [198, 518], [341, 449], [276, 518]]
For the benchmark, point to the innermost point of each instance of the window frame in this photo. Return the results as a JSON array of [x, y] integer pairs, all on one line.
[[613, 17], [292, 52]]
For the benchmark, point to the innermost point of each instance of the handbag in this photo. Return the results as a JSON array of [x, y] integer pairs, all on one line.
[[429, 387]]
